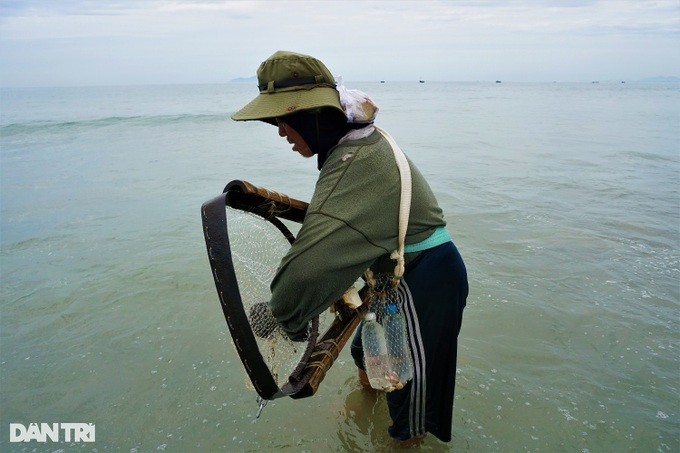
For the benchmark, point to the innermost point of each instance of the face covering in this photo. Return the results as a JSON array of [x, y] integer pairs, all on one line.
[[320, 129]]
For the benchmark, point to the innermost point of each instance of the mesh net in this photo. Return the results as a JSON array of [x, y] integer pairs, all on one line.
[[257, 247], [385, 301]]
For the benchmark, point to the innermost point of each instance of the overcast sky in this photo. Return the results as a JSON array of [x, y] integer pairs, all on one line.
[[91, 42]]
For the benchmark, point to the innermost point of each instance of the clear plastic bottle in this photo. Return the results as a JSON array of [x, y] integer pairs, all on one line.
[[398, 350], [376, 360]]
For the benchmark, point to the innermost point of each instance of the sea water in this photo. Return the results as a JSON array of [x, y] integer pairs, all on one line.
[[562, 198]]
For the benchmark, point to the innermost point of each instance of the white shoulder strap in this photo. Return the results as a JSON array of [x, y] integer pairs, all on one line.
[[404, 204]]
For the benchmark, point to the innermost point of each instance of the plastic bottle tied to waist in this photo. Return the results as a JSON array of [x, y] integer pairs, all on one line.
[[398, 351], [376, 360]]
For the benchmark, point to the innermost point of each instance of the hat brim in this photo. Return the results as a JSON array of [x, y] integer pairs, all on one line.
[[274, 105]]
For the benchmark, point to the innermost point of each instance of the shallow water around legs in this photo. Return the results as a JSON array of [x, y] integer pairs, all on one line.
[[562, 198]]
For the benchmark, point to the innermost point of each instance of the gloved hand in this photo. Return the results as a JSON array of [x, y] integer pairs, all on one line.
[[262, 320]]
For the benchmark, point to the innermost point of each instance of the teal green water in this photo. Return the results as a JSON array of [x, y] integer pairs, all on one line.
[[564, 200]]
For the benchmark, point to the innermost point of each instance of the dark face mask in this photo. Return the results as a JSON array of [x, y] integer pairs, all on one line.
[[321, 130]]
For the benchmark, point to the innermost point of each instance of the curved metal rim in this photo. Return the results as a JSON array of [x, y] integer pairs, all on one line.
[[214, 218]]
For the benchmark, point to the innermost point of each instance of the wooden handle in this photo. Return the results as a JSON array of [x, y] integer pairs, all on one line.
[[329, 346], [242, 194]]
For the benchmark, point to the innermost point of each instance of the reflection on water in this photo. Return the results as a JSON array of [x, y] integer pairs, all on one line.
[[364, 420]]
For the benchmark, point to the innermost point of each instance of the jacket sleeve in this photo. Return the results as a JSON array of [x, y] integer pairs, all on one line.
[[327, 257]]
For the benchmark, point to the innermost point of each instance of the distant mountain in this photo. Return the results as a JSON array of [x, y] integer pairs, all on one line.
[[660, 79], [252, 79]]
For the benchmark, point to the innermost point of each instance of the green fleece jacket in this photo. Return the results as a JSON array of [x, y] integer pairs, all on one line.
[[351, 224]]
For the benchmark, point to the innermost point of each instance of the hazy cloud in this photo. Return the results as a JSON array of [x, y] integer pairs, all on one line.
[[155, 41]]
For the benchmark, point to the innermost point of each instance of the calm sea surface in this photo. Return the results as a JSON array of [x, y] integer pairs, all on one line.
[[564, 200]]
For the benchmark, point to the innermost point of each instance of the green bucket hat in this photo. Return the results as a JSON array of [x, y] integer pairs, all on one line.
[[290, 82]]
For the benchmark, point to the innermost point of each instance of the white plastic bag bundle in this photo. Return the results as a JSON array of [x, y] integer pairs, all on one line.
[[358, 106]]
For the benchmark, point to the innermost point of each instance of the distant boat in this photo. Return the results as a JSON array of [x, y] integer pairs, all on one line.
[[595, 81], [498, 81], [422, 81], [382, 81]]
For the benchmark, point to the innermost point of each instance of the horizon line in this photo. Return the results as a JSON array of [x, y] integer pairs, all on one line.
[[244, 81]]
